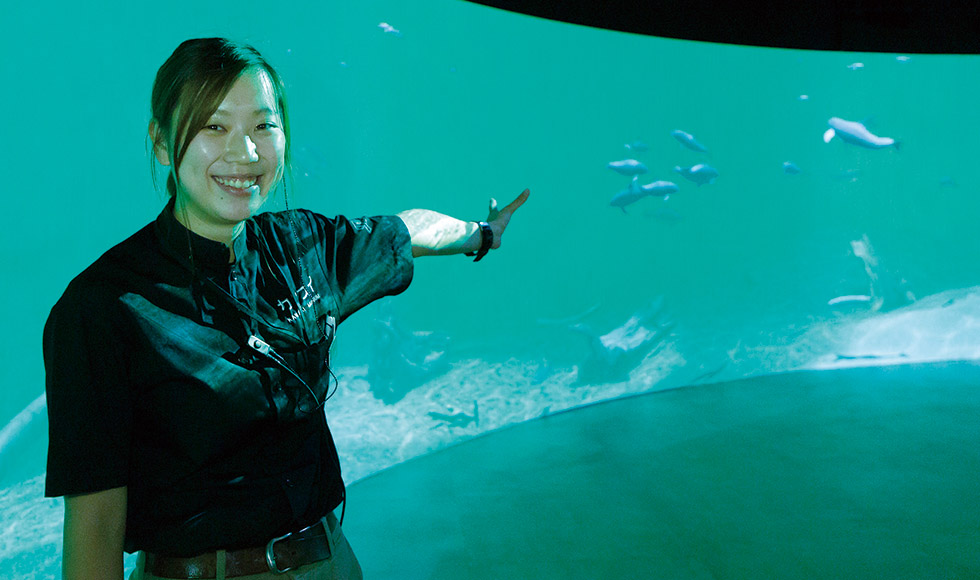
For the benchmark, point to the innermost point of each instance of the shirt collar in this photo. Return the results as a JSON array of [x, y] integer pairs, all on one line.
[[194, 250]]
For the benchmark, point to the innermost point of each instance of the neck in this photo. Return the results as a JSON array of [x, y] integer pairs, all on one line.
[[222, 233]]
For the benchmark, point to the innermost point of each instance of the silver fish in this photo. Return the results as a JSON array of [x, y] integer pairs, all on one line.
[[628, 167], [389, 29], [630, 195], [856, 134], [636, 192], [688, 141], [660, 188], [700, 173], [637, 146], [791, 168]]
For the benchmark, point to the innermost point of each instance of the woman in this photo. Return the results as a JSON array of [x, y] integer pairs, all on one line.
[[187, 367]]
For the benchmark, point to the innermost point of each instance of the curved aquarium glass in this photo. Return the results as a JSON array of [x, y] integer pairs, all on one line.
[[734, 327]]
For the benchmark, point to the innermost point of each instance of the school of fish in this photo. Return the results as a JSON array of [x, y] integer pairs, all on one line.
[[850, 132]]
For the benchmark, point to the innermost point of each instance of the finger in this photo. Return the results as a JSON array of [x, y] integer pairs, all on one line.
[[518, 202], [494, 212]]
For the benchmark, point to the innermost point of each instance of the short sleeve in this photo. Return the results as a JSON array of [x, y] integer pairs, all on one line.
[[88, 396], [369, 258]]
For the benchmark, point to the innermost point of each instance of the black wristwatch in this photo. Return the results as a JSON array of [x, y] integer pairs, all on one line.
[[486, 241]]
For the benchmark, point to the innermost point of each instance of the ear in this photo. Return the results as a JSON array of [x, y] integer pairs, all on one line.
[[159, 147]]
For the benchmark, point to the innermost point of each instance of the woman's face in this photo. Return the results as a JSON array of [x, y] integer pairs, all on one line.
[[234, 161]]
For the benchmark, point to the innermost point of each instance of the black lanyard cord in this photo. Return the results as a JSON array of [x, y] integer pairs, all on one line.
[[266, 350], [263, 348]]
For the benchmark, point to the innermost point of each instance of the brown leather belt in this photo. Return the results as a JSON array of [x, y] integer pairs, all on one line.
[[311, 544]]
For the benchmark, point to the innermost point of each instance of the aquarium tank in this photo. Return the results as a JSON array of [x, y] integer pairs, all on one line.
[[732, 334]]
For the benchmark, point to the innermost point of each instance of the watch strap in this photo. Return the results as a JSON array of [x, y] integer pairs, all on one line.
[[486, 241]]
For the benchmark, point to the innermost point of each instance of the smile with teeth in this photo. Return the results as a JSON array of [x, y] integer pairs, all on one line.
[[237, 183]]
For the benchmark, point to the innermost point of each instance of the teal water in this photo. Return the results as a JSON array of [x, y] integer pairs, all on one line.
[[798, 475], [584, 302]]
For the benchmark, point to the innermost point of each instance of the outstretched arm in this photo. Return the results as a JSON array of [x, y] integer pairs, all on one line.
[[436, 234]]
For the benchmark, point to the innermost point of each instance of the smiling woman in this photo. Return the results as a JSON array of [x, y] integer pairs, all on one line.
[[188, 367], [229, 164]]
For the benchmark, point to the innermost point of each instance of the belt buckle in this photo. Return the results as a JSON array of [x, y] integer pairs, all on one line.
[[270, 557]]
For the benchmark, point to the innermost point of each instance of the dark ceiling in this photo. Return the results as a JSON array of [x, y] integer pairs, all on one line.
[[901, 26]]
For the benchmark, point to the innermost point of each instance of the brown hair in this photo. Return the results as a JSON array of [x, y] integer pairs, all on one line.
[[190, 86]]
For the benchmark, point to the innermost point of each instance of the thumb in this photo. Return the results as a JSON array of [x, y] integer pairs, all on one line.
[[494, 212]]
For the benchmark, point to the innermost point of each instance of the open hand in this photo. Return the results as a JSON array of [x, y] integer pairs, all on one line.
[[499, 218]]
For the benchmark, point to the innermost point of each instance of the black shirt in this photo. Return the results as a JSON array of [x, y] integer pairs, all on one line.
[[158, 377]]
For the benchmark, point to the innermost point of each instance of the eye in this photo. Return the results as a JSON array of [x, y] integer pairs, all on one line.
[[264, 126], [213, 127]]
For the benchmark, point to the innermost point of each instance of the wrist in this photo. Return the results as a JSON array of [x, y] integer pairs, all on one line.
[[486, 241]]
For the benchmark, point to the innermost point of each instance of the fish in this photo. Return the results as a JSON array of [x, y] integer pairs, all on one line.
[[631, 194], [457, 419], [628, 167], [615, 354], [389, 29], [402, 359], [638, 146], [856, 134], [688, 141], [849, 298], [660, 188], [841, 357], [791, 168], [700, 173], [856, 65], [635, 192]]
